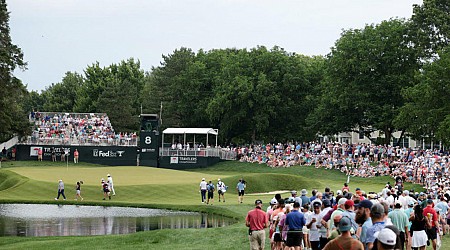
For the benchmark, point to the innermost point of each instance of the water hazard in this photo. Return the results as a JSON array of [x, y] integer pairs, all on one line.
[[64, 220]]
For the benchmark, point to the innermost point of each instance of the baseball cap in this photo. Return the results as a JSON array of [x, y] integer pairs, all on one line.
[[108, 175], [258, 202], [377, 209], [429, 201], [317, 204], [411, 203], [386, 236], [398, 203], [293, 192], [345, 224], [218, 179], [273, 201], [349, 203], [203, 179], [342, 201]]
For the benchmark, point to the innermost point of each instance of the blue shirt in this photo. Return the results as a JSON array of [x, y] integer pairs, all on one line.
[[367, 224], [376, 227], [240, 186], [295, 220]]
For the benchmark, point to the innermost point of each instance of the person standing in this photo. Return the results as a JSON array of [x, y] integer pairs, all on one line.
[[203, 188], [240, 188], [295, 220], [40, 154], [61, 190], [78, 190], [314, 224], [75, 156], [211, 190], [111, 185], [378, 223], [257, 221], [63, 154], [106, 192], [221, 189], [13, 153], [53, 154]]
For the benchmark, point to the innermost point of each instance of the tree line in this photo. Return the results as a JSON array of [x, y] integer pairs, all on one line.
[[391, 76]]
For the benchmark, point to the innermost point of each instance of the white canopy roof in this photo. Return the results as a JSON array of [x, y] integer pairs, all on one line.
[[198, 131]]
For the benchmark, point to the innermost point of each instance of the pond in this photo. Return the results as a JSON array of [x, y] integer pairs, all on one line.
[[72, 220]]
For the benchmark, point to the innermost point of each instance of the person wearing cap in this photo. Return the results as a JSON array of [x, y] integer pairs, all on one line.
[[405, 199], [314, 224], [386, 239], [378, 223], [305, 199], [401, 221], [221, 189], [324, 231], [295, 198], [430, 212], [339, 210], [345, 240], [240, 188], [442, 205], [295, 220], [256, 221], [203, 189], [211, 189], [111, 185], [60, 190], [349, 207]]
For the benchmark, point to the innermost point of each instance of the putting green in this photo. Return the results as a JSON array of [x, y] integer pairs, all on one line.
[[121, 175]]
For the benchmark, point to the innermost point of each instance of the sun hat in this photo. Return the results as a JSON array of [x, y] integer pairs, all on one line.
[[293, 192], [386, 236], [304, 192]]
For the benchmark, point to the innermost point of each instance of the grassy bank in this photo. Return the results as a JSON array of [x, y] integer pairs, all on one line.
[[36, 182]]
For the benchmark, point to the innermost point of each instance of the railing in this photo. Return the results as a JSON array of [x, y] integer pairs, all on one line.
[[9, 144], [81, 141], [202, 152]]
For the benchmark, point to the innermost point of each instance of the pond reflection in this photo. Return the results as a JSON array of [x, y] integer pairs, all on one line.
[[71, 220]]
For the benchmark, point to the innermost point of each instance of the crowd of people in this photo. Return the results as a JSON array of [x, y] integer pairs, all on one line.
[[426, 167], [81, 129], [349, 219]]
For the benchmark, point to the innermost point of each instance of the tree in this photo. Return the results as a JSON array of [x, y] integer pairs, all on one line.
[[366, 72], [431, 25], [426, 112], [61, 97], [13, 119]]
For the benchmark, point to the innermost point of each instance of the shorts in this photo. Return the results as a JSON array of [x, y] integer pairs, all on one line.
[[220, 192], [448, 221], [305, 230], [210, 195], [106, 190], [277, 237], [241, 193], [294, 238], [78, 192], [432, 233]]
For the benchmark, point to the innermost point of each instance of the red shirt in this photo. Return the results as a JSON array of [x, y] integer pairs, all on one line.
[[257, 219], [430, 209]]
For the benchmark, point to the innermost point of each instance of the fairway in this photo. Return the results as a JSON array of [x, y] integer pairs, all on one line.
[[122, 176]]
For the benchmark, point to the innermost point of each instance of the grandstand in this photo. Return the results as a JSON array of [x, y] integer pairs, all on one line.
[[87, 129]]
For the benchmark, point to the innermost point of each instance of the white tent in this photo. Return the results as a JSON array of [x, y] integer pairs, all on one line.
[[194, 131]]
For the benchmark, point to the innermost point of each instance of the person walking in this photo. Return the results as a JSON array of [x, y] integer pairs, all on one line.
[[75, 156], [106, 192], [221, 189], [203, 188], [111, 185], [345, 240], [240, 188], [60, 190], [257, 221], [211, 190], [419, 225], [295, 220], [432, 216], [78, 190], [400, 220]]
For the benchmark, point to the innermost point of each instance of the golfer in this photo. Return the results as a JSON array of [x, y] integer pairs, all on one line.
[[60, 190], [240, 188], [78, 190], [111, 185], [221, 189], [203, 188]]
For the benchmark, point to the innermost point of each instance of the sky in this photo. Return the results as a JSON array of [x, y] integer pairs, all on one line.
[[58, 36]]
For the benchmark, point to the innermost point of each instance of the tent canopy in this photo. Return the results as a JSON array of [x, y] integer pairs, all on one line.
[[198, 131]]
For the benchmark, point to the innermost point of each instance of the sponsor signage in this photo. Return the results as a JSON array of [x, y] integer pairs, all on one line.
[[47, 151], [107, 153], [183, 160]]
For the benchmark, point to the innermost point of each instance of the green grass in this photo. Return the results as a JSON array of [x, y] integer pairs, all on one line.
[[36, 182]]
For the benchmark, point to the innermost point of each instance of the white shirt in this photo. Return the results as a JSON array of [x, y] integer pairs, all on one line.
[[111, 181], [203, 185]]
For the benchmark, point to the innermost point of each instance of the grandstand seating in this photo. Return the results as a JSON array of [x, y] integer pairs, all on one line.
[[50, 128]]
